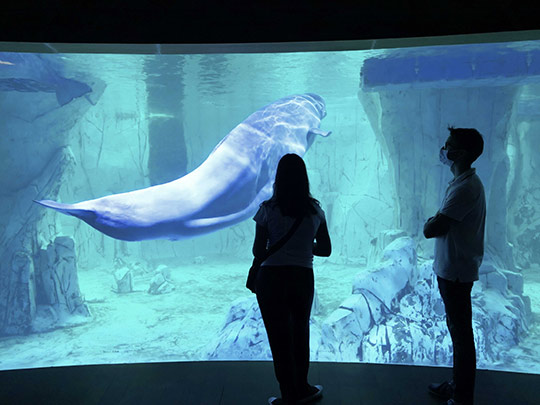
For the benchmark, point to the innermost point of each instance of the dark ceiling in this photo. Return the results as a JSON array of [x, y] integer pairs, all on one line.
[[203, 21]]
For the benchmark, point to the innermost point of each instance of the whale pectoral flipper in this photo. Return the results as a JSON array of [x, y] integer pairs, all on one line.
[[233, 218], [68, 209], [318, 131]]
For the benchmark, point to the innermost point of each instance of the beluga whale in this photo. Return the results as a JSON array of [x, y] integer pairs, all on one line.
[[27, 72], [227, 188]]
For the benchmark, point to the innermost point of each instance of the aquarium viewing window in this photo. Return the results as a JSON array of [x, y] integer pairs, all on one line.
[[107, 257]]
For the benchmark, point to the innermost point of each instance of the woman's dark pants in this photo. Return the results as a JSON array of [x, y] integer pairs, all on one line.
[[457, 302], [285, 295]]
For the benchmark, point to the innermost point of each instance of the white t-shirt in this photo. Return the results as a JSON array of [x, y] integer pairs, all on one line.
[[459, 253], [298, 251]]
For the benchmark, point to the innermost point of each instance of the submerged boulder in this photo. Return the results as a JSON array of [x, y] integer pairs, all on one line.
[[21, 304], [406, 314], [394, 315], [243, 335], [43, 293], [60, 302], [123, 281], [161, 283]]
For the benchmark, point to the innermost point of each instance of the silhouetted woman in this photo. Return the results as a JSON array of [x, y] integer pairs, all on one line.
[[285, 281]]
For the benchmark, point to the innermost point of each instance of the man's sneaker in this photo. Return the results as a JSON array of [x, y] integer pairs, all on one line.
[[314, 393], [275, 401], [444, 390]]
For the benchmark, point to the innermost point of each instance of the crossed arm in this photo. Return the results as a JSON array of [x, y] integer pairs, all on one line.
[[437, 225]]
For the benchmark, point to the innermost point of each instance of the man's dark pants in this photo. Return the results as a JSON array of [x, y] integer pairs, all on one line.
[[457, 302], [285, 295]]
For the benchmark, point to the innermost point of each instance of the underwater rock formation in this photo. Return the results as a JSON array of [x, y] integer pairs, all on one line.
[[524, 193], [441, 90], [18, 263], [243, 336], [123, 281], [46, 295], [19, 306], [36, 131], [400, 318], [161, 283], [58, 297], [35, 126], [394, 315], [34, 73]]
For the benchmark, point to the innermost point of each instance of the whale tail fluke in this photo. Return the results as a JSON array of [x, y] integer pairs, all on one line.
[[68, 209]]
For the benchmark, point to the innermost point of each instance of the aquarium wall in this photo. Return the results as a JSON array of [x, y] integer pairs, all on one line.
[[369, 124]]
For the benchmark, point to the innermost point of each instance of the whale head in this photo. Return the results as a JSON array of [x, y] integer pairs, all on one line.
[[317, 102]]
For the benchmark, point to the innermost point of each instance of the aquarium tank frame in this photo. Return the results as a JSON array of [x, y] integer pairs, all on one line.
[[65, 246]]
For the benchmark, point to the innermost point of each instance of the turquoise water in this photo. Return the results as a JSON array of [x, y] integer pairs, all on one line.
[[152, 119]]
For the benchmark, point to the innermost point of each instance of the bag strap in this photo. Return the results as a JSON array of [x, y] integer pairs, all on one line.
[[278, 245]]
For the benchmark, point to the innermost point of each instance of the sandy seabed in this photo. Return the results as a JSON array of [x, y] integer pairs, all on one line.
[[139, 327]]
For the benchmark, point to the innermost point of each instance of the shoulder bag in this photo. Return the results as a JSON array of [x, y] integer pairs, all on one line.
[[254, 269]]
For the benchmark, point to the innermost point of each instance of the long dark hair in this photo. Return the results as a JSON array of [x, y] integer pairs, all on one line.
[[291, 188]]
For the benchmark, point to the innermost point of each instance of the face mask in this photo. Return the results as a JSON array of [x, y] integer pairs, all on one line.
[[443, 157]]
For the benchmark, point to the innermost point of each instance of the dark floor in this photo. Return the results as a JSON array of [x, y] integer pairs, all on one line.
[[239, 383]]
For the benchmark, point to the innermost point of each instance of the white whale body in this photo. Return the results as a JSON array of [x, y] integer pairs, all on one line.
[[225, 189]]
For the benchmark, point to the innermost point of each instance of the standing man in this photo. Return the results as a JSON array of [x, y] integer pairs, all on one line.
[[458, 229]]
